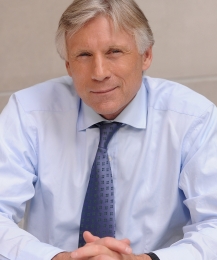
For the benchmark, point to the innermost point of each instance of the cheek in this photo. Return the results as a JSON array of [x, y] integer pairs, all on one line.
[[79, 83], [131, 74], [80, 79], [133, 79], [80, 88], [76, 68], [129, 67]]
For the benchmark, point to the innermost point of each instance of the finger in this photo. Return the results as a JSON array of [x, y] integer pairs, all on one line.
[[116, 245], [105, 245], [89, 238], [92, 250], [126, 241], [100, 257]]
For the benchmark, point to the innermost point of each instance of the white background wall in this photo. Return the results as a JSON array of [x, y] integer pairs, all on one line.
[[185, 50]]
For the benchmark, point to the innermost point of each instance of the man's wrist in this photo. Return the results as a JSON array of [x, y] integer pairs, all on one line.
[[138, 257], [62, 256], [153, 256], [148, 256]]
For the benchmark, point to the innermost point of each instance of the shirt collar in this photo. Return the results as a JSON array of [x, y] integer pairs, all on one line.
[[135, 114]]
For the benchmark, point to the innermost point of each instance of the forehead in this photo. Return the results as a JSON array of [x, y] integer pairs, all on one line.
[[100, 31]]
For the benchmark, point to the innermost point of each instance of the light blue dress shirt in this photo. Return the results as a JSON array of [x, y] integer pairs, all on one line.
[[163, 160]]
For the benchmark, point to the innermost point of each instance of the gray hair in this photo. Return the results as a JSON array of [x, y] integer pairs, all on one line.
[[125, 14]]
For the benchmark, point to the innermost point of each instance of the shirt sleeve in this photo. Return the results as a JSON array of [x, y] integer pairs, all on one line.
[[18, 173], [198, 181]]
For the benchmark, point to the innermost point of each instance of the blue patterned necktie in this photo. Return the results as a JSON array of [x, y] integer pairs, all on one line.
[[98, 213]]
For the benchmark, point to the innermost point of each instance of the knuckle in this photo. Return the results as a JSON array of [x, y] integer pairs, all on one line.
[[101, 257], [108, 241], [97, 249]]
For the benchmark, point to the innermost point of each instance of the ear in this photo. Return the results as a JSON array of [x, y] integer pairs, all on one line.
[[68, 68], [147, 59]]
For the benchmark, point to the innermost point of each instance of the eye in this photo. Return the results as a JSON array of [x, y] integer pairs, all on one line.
[[84, 54], [114, 51]]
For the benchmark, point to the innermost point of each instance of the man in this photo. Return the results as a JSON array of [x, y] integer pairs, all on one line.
[[162, 157]]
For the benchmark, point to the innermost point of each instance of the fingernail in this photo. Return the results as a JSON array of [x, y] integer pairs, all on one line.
[[74, 254], [128, 250]]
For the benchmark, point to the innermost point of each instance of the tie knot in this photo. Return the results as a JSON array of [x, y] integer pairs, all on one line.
[[107, 130]]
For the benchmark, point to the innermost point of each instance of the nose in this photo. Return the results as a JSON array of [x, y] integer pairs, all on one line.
[[100, 68]]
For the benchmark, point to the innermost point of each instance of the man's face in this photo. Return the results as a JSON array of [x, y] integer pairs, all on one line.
[[105, 66]]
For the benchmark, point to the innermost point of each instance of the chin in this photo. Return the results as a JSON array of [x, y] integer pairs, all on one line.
[[109, 114], [109, 110]]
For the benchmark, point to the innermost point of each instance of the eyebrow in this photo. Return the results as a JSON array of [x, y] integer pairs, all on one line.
[[125, 48], [119, 47], [74, 54]]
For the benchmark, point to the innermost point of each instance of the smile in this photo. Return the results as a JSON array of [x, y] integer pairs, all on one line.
[[103, 91]]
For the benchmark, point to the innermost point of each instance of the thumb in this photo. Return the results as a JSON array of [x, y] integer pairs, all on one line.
[[126, 241], [89, 238]]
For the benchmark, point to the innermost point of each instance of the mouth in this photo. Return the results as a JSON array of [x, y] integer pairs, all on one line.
[[103, 91]]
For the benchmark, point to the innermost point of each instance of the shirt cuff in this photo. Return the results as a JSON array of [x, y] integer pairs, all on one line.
[[38, 251], [179, 252]]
